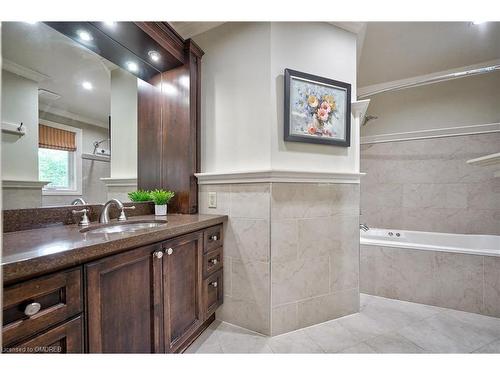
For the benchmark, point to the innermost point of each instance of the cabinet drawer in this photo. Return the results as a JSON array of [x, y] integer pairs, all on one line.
[[35, 305], [64, 338], [213, 293], [212, 262], [212, 238]]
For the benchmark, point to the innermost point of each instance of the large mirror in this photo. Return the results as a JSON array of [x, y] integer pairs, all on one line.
[[69, 119]]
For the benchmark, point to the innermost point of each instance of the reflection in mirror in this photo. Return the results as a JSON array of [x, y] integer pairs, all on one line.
[[69, 121]]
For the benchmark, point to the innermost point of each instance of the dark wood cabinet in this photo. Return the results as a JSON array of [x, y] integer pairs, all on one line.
[[182, 283], [152, 299], [64, 338], [124, 299]]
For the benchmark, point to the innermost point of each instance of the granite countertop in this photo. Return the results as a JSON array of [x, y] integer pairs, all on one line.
[[33, 252]]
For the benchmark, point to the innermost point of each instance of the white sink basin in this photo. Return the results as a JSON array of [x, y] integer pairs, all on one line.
[[122, 227]]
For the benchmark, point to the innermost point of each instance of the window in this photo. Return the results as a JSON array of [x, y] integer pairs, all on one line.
[[59, 158], [56, 166]]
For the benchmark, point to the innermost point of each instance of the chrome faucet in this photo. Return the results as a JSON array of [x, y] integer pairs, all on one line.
[[104, 217], [78, 201], [364, 227]]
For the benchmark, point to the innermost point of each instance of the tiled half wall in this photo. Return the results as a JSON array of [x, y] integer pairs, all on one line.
[[426, 185], [291, 253]]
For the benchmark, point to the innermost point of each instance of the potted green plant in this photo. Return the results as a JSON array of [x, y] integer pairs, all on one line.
[[139, 196], [161, 198]]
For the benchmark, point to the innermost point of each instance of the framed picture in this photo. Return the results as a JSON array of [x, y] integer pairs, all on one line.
[[317, 109]]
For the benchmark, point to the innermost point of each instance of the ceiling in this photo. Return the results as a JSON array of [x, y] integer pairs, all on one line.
[[66, 64], [389, 51], [398, 50]]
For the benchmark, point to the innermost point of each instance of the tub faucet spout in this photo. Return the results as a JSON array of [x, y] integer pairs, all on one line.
[[364, 227]]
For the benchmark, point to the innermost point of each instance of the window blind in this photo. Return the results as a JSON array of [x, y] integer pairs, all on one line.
[[56, 139]]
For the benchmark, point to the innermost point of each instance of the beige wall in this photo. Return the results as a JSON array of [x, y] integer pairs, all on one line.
[[317, 48], [236, 97], [461, 102], [242, 94], [20, 104]]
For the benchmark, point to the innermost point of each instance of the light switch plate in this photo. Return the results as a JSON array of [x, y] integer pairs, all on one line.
[[212, 200]]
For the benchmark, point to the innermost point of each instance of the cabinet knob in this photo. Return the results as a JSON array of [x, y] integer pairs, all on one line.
[[214, 284], [32, 308], [214, 237], [158, 254], [214, 261], [170, 251]]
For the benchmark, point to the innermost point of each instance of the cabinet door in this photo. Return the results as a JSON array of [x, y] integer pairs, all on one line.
[[182, 270], [124, 302], [65, 338]]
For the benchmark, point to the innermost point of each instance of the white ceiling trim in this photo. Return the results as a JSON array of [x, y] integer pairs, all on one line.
[[22, 71], [421, 80], [74, 116]]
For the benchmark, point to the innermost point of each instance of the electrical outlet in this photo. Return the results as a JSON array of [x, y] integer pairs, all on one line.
[[212, 200]]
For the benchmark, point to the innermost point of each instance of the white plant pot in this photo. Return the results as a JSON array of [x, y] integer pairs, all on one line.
[[161, 210]]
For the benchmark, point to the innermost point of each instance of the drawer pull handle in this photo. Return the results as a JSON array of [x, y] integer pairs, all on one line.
[[214, 261], [32, 308], [158, 254], [214, 237], [214, 284], [170, 251]]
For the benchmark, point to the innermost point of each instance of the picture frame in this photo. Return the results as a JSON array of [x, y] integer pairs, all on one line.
[[317, 109]]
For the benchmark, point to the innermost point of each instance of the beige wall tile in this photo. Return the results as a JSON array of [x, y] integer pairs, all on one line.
[[492, 286], [435, 196], [441, 192], [299, 279], [251, 281], [316, 237], [284, 240], [247, 239], [284, 318], [326, 307], [397, 273], [223, 199], [296, 200], [382, 195], [458, 281], [246, 314], [250, 201], [344, 266]]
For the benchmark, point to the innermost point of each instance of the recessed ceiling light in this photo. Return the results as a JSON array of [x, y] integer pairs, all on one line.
[[87, 85], [155, 56], [132, 66], [84, 35], [478, 22], [31, 22], [110, 23]]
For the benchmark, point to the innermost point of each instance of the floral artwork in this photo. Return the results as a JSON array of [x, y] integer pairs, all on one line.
[[317, 110]]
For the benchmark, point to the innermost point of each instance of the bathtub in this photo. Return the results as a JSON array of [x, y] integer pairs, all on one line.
[[476, 244], [457, 271]]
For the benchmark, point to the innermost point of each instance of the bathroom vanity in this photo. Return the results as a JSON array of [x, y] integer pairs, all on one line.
[[149, 291], [128, 117]]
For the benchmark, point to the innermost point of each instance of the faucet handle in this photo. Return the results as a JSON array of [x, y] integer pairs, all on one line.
[[85, 219], [122, 216]]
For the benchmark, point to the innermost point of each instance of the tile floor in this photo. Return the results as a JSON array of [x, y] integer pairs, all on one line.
[[382, 326]]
